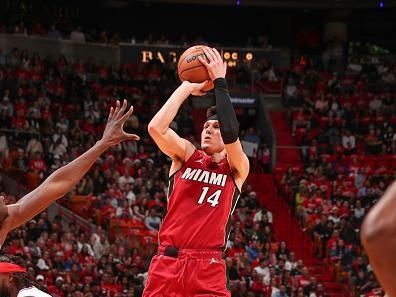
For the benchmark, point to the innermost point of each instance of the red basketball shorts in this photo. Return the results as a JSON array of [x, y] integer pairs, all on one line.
[[186, 273]]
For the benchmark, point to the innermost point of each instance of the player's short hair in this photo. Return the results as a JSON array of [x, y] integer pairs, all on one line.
[[211, 113]]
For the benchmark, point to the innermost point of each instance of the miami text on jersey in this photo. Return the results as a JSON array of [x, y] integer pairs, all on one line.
[[204, 176]]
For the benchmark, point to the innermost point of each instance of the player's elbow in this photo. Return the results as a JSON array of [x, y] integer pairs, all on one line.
[[376, 230], [368, 233], [153, 129]]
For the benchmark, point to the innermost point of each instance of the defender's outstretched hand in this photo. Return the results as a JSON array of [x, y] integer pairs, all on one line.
[[60, 182], [114, 132]]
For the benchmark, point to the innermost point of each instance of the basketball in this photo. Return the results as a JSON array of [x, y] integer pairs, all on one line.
[[191, 69]]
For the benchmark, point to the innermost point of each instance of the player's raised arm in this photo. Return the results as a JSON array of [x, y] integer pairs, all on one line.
[[168, 141], [378, 235], [62, 180], [229, 126]]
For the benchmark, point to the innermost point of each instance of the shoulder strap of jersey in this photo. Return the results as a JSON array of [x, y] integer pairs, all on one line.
[[189, 160], [197, 153]]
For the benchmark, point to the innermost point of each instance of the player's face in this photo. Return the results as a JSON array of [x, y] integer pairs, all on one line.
[[4, 285], [211, 140]]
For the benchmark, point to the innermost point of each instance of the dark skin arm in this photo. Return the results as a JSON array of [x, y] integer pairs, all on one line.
[[378, 237], [65, 178]]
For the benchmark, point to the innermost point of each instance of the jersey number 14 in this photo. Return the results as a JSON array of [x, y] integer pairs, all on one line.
[[212, 199]]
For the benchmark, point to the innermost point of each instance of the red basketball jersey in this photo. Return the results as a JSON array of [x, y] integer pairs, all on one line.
[[201, 199]]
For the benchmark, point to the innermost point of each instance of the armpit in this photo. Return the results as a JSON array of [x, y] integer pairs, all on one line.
[[3, 212]]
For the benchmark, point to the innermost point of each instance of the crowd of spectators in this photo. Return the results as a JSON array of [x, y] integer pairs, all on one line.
[[344, 124], [63, 107], [22, 20], [51, 110], [80, 35]]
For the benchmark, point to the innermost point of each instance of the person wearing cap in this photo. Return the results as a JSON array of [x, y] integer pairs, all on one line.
[[60, 182], [40, 278], [15, 281], [56, 288]]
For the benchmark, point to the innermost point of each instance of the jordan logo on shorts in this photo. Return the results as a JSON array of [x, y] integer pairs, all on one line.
[[213, 261]]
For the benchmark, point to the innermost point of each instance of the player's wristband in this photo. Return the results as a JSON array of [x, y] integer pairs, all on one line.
[[229, 127]]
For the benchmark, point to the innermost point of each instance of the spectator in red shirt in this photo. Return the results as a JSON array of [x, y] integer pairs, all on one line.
[[19, 120], [332, 243], [236, 250], [85, 256], [109, 285], [103, 71], [16, 247], [141, 155], [38, 30], [300, 119], [257, 284], [37, 163], [56, 290]]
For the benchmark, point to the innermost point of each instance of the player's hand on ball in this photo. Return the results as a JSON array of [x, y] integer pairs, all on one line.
[[196, 88], [216, 67], [114, 132]]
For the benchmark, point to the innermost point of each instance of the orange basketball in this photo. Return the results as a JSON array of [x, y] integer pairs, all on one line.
[[191, 69]]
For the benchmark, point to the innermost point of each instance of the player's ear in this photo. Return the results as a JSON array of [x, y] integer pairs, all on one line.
[[10, 278]]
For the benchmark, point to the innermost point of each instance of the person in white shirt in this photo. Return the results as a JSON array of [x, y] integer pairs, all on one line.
[[359, 212], [129, 194], [274, 288], [267, 278], [101, 247], [34, 145], [262, 269], [14, 280], [348, 142], [77, 35], [124, 211], [291, 262], [125, 179], [321, 105], [375, 104], [258, 217], [334, 216], [290, 89]]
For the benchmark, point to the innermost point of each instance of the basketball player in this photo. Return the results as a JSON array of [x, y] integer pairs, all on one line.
[[204, 186], [62, 180], [14, 281], [378, 237]]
